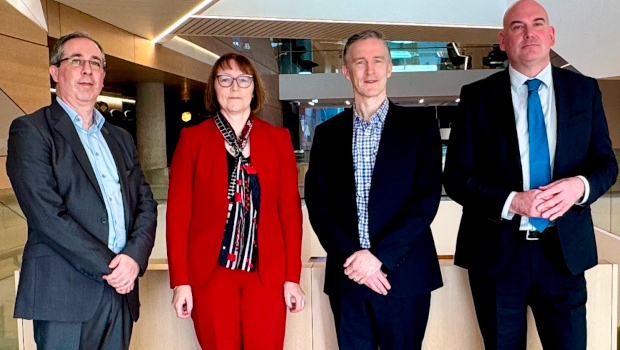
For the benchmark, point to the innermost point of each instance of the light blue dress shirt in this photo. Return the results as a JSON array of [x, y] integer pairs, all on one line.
[[518, 89], [105, 170]]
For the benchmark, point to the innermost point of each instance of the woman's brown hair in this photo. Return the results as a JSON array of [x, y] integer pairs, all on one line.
[[246, 66]]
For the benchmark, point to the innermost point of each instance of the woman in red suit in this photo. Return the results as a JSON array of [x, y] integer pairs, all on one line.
[[234, 221]]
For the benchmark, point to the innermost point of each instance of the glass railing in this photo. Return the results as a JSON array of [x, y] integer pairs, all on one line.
[[13, 234], [312, 56]]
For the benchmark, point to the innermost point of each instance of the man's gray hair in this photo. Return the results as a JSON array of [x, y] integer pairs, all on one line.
[[58, 49], [366, 34]]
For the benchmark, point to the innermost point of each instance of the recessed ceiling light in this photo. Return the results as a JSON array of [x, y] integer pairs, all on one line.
[[457, 100], [315, 100], [347, 102], [421, 100], [311, 103]]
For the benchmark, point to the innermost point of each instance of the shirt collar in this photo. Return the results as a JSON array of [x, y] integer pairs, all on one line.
[[517, 79], [378, 117], [77, 120]]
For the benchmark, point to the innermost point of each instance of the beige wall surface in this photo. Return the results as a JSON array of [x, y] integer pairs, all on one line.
[[610, 89]]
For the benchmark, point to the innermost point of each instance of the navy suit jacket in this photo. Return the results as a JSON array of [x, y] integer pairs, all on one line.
[[483, 166], [404, 198], [67, 252]]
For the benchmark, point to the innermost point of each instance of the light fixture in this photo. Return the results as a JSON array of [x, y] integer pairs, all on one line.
[[421, 100], [186, 116], [182, 20], [186, 95], [311, 103], [347, 102], [315, 100], [457, 100]]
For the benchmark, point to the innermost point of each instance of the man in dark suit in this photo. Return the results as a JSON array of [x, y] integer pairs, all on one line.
[[372, 190], [91, 215], [527, 156]]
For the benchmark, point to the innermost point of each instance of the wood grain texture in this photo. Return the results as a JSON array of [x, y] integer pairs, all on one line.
[[24, 76], [16, 25], [114, 40], [52, 12]]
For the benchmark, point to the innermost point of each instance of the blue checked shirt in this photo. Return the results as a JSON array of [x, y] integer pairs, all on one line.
[[106, 172], [366, 137]]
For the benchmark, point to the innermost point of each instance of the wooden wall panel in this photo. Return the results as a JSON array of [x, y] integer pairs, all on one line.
[[610, 89], [52, 12], [24, 73], [115, 41], [16, 25]]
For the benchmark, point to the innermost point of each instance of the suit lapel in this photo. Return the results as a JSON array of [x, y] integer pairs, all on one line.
[[344, 143], [562, 111], [66, 129], [215, 153], [259, 154], [508, 122], [388, 144], [120, 167]]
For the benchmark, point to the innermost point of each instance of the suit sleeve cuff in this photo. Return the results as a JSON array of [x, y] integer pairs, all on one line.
[[506, 215], [586, 192]]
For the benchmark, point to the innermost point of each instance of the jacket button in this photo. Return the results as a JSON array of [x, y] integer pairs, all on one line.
[[104, 220]]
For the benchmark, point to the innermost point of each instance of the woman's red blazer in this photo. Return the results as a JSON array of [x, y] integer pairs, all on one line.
[[197, 204]]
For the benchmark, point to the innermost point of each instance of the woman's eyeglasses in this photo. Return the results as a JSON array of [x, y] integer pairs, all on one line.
[[244, 81]]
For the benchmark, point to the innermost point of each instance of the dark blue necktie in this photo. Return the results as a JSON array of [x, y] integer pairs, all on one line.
[[540, 168]]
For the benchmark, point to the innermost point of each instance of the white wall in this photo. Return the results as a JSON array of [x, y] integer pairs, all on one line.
[[472, 12]]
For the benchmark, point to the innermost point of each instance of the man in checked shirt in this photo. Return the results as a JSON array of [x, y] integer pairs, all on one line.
[[372, 189]]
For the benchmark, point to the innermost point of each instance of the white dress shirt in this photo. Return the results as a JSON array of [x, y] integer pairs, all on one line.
[[518, 89]]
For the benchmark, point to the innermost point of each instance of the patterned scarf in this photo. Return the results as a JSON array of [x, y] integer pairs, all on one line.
[[239, 243]]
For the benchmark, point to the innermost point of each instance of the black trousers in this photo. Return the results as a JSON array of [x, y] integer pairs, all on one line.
[[109, 329], [537, 276], [367, 320]]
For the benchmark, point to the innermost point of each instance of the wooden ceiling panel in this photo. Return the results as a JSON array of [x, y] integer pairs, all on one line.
[[332, 31], [146, 18]]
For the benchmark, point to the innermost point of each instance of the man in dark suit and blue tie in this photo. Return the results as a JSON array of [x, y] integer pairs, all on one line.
[[527, 156], [90, 213], [372, 189]]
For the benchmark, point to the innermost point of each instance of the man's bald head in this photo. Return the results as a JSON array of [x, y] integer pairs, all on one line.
[[527, 37], [520, 6]]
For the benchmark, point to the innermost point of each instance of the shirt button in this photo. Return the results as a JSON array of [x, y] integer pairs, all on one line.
[[110, 198], [103, 176], [96, 153], [104, 220]]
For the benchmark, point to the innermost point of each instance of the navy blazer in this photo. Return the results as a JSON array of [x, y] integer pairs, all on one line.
[[404, 198], [483, 166], [67, 252]]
